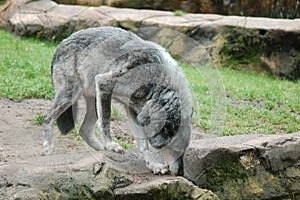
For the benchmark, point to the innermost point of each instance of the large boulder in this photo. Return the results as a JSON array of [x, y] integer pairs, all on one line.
[[264, 45], [246, 166]]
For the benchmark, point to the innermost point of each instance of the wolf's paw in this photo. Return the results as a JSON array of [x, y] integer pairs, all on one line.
[[115, 147], [158, 168], [48, 147]]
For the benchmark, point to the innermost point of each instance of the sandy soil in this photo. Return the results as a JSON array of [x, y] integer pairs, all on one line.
[[21, 139]]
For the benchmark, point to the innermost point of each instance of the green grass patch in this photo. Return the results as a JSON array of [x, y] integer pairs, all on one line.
[[116, 115], [255, 104], [179, 13], [25, 67], [74, 134], [38, 119], [124, 145]]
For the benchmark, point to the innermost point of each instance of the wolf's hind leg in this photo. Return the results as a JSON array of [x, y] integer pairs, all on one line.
[[104, 89], [61, 104], [88, 125], [57, 109]]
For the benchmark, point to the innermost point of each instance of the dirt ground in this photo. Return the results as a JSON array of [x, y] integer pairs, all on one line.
[[21, 140], [20, 137]]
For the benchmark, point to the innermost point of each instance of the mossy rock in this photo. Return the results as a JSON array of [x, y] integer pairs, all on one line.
[[245, 177], [262, 51]]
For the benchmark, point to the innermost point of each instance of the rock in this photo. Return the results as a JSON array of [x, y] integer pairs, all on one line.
[[82, 2], [250, 49], [264, 45], [5, 10], [267, 8], [232, 167], [101, 175], [161, 188], [246, 166]]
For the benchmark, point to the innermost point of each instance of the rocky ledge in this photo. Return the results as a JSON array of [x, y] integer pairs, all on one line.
[[235, 167], [246, 166], [92, 175], [260, 44]]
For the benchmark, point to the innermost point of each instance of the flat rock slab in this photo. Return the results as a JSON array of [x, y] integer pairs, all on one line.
[[92, 175], [47, 18], [277, 9], [45, 13]]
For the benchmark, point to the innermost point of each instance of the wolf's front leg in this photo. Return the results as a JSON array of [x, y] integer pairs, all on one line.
[[153, 164], [86, 131], [142, 141], [151, 161], [104, 89]]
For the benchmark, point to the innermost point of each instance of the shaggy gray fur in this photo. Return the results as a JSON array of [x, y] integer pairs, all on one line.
[[105, 63]]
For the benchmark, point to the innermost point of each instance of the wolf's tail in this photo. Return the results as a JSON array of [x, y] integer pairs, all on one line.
[[66, 121]]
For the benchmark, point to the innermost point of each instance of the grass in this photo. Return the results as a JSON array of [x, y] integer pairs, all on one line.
[[179, 13], [116, 115], [25, 67], [252, 103], [38, 119]]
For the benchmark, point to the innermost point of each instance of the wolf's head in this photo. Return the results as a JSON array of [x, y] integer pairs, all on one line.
[[161, 115]]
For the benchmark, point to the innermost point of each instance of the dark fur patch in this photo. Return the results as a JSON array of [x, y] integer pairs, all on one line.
[[168, 100], [66, 121]]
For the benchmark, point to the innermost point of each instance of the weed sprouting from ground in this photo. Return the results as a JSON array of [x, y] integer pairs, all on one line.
[[179, 13], [38, 119]]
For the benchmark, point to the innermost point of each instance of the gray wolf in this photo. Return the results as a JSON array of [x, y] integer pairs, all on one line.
[[108, 63]]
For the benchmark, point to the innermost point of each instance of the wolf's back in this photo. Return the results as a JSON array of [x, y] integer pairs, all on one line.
[[81, 40]]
